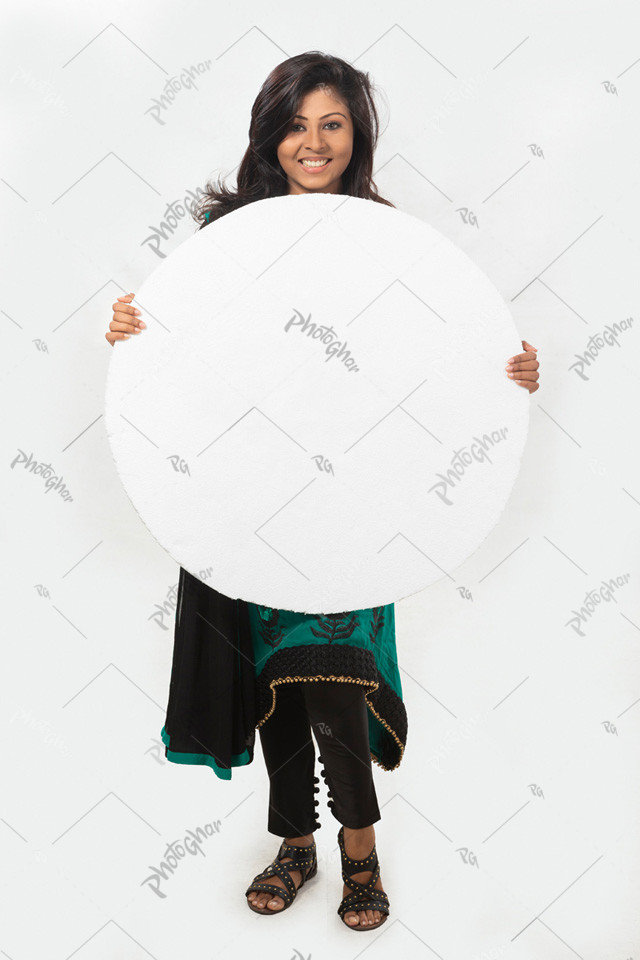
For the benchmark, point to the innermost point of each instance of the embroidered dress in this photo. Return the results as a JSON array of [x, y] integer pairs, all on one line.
[[230, 656], [356, 646]]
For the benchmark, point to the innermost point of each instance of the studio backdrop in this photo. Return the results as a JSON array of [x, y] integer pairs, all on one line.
[[508, 132]]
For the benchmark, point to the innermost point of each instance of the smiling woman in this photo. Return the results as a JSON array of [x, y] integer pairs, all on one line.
[[239, 667], [311, 107], [319, 143]]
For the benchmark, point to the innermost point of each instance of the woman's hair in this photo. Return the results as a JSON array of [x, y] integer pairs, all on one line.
[[260, 174]]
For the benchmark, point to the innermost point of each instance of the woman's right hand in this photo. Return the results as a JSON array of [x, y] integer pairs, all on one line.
[[126, 319]]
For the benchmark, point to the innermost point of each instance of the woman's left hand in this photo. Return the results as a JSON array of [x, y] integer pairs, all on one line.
[[523, 368]]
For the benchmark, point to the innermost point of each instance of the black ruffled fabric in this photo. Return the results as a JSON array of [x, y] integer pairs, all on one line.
[[318, 660], [212, 707]]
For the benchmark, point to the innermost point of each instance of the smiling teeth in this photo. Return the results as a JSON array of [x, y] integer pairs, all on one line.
[[314, 163]]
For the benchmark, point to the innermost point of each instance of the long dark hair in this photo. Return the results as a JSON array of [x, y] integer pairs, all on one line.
[[260, 174]]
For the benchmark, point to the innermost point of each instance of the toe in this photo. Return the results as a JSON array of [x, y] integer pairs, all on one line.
[[351, 917], [276, 904]]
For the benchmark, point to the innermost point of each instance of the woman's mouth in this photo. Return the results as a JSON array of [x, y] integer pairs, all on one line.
[[314, 166]]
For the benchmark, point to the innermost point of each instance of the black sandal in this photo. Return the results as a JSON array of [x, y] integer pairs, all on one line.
[[362, 896], [302, 858]]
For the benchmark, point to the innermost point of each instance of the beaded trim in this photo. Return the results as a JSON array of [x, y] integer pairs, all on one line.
[[372, 685]]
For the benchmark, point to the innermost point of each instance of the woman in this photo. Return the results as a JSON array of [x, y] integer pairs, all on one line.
[[238, 666]]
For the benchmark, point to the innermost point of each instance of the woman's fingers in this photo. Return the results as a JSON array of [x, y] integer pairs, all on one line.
[[124, 325], [124, 312], [523, 365], [523, 371], [523, 368], [112, 337], [126, 320], [130, 315], [528, 355], [120, 331], [530, 385], [125, 308]]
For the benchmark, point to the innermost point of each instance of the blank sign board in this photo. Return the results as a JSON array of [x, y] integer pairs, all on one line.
[[317, 417]]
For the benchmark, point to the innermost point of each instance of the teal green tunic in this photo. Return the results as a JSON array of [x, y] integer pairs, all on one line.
[[357, 646]]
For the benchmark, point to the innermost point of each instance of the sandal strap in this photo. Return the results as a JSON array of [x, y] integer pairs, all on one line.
[[302, 862], [272, 888], [279, 869], [302, 856], [363, 896], [358, 866], [353, 901], [363, 889], [299, 861]]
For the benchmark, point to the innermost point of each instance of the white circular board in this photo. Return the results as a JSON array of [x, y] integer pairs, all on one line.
[[317, 417]]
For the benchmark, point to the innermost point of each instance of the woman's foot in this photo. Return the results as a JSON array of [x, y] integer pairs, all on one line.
[[267, 901], [358, 844]]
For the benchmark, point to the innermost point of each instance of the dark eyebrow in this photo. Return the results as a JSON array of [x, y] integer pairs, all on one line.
[[322, 118]]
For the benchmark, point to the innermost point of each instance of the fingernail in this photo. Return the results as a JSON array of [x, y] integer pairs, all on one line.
[[142, 323]]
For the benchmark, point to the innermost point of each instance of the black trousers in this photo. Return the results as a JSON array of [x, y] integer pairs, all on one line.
[[337, 713]]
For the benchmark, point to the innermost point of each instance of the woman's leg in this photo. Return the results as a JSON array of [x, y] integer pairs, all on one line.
[[287, 747], [339, 718], [289, 756], [338, 715]]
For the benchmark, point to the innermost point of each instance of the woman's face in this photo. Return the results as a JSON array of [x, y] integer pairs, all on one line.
[[322, 128]]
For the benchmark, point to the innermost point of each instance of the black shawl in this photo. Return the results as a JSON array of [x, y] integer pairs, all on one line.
[[212, 707]]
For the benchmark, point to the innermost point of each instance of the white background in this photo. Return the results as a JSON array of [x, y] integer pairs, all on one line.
[[511, 827]]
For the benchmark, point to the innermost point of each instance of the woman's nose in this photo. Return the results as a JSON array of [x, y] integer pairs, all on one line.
[[314, 141]]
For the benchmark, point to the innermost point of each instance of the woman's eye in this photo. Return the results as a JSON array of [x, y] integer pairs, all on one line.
[[329, 122]]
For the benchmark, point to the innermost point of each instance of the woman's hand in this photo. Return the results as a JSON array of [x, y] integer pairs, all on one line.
[[125, 319], [523, 368]]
